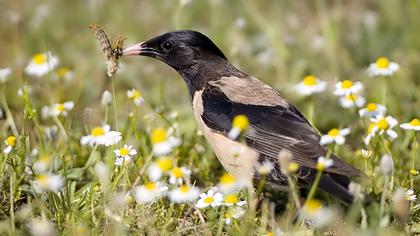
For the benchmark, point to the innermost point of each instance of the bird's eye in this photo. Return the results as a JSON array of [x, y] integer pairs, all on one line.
[[167, 46]]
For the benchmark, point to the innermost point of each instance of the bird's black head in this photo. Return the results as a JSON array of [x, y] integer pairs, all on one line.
[[180, 49]]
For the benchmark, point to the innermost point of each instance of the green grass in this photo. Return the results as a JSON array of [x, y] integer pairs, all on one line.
[[281, 42]]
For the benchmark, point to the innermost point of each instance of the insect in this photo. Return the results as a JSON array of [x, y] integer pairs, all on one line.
[[111, 52]]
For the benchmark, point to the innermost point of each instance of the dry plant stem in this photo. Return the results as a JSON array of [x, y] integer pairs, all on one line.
[[115, 105]]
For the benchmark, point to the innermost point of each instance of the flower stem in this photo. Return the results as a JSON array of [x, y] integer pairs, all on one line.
[[115, 104], [314, 186]]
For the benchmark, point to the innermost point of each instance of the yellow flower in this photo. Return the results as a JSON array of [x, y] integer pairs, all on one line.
[[11, 141], [414, 172], [239, 124], [310, 85], [41, 64], [382, 67], [159, 135], [323, 163]]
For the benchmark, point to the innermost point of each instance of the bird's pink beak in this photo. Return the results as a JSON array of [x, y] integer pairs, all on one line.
[[133, 50]]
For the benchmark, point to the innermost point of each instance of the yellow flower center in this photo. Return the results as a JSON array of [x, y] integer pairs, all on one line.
[[177, 172], [45, 159], [309, 80], [11, 141], [415, 122], [231, 198], [414, 172], [124, 151], [59, 107], [371, 107], [227, 179], [334, 132], [320, 166], [62, 71], [97, 131], [269, 234], [382, 62], [159, 135], [165, 163], [42, 179], [240, 122], [184, 188], [39, 58], [346, 84], [352, 97], [150, 186], [135, 94], [208, 200], [312, 206], [293, 167], [383, 124]]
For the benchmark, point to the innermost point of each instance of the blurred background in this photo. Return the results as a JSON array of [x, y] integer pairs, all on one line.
[[278, 42]]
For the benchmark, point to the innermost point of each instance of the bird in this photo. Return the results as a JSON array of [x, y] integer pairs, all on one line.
[[219, 92]]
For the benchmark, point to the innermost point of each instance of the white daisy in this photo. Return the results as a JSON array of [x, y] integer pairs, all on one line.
[[178, 174], [410, 195], [414, 124], [125, 151], [10, 144], [233, 213], [135, 96], [323, 163], [163, 142], [41, 64], [352, 100], [310, 85], [239, 124], [61, 109], [43, 163], [124, 155], [316, 214], [184, 193], [101, 136], [381, 125], [48, 182], [4, 74], [159, 167], [62, 74], [149, 192], [382, 67], [347, 87], [232, 199], [372, 110], [210, 199], [335, 136], [228, 183]]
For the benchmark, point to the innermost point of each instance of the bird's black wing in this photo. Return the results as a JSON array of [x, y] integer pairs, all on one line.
[[272, 128]]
